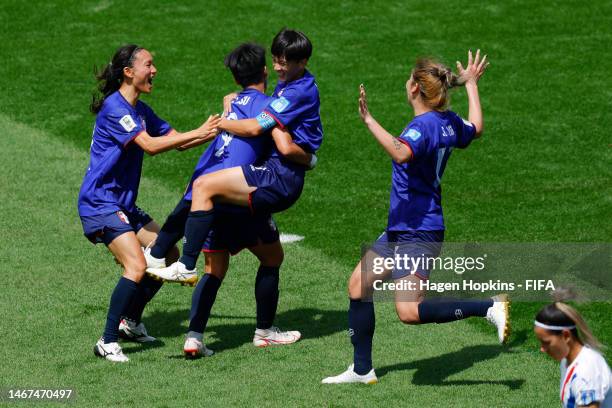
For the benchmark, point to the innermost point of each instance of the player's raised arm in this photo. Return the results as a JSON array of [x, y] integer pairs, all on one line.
[[470, 76], [399, 152], [153, 145]]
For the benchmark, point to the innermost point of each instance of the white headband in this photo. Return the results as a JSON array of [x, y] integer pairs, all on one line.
[[548, 327]]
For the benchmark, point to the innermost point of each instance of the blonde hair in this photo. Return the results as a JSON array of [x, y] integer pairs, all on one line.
[[434, 80], [561, 314]]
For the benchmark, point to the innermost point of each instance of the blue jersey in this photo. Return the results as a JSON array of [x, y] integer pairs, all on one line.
[[113, 176], [295, 107], [416, 195], [229, 150]]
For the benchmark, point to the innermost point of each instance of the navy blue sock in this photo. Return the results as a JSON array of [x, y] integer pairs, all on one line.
[[172, 230], [202, 301], [120, 299], [361, 329], [266, 295], [449, 310], [147, 288], [196, 230]]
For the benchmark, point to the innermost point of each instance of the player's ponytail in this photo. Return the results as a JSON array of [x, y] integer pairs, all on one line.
[[111, 76], [559, 316], [435, 80]]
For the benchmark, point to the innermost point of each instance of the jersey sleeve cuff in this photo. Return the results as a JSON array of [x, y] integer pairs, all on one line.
[[132, 138], [407, 144]]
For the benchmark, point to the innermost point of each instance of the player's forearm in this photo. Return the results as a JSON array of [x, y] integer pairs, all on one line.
[[297, 155], [475, 110], [243, 127], [399, 152], [291, 151], [155, 145]]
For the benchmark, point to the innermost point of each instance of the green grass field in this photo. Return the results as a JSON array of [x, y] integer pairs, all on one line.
[[541, 173]]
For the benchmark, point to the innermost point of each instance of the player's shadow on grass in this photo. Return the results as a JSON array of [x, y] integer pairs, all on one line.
[[436, 370], [220, 336], [312, 323]]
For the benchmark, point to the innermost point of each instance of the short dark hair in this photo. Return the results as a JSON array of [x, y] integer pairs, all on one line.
[[247, 63], [291, 44]]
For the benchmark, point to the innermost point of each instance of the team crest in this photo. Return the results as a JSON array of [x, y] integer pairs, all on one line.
[[123, 217]]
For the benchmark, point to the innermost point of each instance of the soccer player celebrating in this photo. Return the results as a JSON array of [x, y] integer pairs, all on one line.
[[235, 227], [415, 224], [126, 128], [586, 380], [277, 183]]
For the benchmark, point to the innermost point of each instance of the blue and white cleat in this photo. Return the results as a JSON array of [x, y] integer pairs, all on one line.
[[177, 272], [350, 376]]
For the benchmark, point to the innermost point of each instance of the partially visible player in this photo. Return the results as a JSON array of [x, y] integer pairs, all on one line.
[[234, 227], [277, 183], [586, 380], [415, 225], [126, 128]]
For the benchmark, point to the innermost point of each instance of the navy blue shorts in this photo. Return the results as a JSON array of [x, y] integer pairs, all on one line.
[[413, 244], [235, 231], [105, 228], [279, 185]]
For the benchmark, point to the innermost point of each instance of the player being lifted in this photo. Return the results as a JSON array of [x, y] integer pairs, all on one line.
[[126, 128], [277, 183], [415, 225], [234, 227]]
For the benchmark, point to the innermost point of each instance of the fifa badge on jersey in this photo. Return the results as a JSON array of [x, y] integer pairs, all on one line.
[[123, 217], [128, 123], [280, 104], [414, 134]]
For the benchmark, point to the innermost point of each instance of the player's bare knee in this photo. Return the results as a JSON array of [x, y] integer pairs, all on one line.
[[354, 287], [408, 312]]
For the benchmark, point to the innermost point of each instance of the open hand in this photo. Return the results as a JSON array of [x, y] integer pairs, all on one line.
[[210, 128], [364, 112], [474, 69]]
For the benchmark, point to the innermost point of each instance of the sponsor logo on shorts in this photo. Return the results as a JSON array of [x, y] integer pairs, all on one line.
[[280, 104], [128, 123], [458, 314], [123, 217], [351, 332]]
